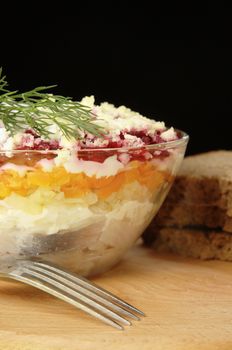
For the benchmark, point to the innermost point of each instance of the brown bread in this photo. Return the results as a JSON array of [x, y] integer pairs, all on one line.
[[196, 217], [201, 194], [195, 243]]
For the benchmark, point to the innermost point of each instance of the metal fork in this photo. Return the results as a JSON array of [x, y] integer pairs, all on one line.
[[72, 288]]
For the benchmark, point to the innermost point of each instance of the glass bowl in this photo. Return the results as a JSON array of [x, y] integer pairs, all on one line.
[[83, 210]]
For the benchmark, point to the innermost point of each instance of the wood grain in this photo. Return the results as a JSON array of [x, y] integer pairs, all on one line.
[[188, 305]]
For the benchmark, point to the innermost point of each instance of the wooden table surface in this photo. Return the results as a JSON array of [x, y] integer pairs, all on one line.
[[188, 304]]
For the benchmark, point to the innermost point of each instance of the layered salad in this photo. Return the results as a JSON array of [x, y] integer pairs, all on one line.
[[79, 182]]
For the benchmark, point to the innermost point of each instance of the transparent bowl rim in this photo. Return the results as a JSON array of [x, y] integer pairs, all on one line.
[[184, 138]]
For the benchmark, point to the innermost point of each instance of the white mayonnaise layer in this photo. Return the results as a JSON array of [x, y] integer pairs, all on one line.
[[111, 166]]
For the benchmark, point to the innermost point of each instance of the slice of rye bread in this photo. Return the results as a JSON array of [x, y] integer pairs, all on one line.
[[201, 194], [195, 243]]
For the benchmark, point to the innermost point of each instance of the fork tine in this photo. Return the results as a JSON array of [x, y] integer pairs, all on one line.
[[84, 291], [39, 284], [75, 294], [90, 286]]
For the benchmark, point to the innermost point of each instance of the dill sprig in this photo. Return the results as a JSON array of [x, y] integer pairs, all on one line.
[[39, 110]]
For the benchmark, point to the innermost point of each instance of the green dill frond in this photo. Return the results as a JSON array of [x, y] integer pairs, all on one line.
[[38, 110]]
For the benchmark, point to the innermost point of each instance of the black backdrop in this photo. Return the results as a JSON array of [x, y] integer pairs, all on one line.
[[175, 68]]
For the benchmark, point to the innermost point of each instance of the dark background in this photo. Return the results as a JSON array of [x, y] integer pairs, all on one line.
[[170, 67]]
